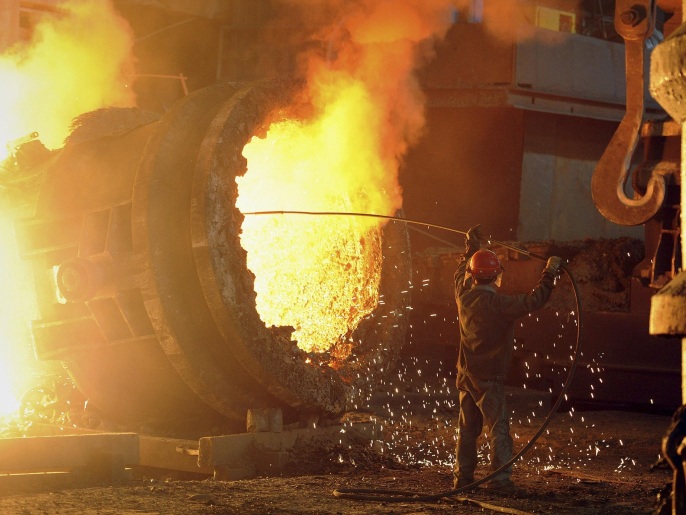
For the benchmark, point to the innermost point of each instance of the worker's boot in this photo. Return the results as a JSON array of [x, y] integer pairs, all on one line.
[[504, 487], [462, 481]]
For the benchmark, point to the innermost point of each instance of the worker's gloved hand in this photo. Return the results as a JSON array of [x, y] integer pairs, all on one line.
[[473, 240], [553, 265]]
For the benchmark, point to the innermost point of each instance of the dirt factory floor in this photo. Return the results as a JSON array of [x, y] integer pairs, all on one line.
[[592, 462]]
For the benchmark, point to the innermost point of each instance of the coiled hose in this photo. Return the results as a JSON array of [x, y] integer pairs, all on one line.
[[380, 495]]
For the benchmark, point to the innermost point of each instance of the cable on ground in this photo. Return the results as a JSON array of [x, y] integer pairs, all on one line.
[[380, 495]]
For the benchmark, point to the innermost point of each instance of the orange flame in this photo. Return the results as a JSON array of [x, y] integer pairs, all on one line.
[[16, 312], [74, 63], [322, 277]]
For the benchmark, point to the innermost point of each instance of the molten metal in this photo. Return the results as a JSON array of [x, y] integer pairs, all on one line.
[[159, 321]]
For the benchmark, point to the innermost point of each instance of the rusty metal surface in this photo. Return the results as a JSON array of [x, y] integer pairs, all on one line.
[[161, 233], [668, 86], [634, 21]]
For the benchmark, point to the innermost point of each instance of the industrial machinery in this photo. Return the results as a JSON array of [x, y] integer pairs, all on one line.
[[668, 305], [142, 284], [144, 292], [656, 179]]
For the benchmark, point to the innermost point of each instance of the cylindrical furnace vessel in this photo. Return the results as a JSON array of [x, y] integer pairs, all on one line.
[[142, 284]]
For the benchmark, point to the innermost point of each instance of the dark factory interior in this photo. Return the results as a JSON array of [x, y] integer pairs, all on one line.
[[230, 231]]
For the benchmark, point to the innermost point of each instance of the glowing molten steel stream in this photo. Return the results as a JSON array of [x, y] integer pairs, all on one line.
[[320, 276]]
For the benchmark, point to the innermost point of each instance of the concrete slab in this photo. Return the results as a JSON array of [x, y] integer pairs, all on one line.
[[228, 457], [232, 456], [264, 420], [171, 454], [106, 457]]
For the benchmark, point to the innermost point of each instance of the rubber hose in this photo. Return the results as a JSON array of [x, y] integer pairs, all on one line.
[[361, 494], [380, 495]]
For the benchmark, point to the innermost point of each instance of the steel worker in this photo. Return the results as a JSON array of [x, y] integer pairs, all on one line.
[[486, 320]]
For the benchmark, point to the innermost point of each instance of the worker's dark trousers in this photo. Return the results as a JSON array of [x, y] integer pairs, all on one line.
[[482, 403]]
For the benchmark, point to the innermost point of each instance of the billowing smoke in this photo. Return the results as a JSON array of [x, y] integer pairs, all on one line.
[[361, 108], [371, 49], [510, 20], [76, 61]]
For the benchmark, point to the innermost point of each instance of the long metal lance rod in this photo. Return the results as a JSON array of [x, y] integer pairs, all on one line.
[[362, 494], [397, 219]]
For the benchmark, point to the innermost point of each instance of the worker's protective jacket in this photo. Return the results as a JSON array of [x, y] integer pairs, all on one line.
[[487, 323]]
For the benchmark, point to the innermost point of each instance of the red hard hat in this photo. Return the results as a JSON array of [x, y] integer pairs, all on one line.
[[484, 264]]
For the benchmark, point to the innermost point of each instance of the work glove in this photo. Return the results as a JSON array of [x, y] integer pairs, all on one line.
[[473, 239], [553, 265]]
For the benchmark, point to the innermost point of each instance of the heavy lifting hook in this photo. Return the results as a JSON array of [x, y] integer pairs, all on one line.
[[635, 21]]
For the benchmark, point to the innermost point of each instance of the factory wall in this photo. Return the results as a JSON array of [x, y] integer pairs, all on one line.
[[465, 170], [523, 175], [560, 154]]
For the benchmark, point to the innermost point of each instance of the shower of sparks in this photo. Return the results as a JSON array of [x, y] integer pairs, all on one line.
[[417, 407]]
